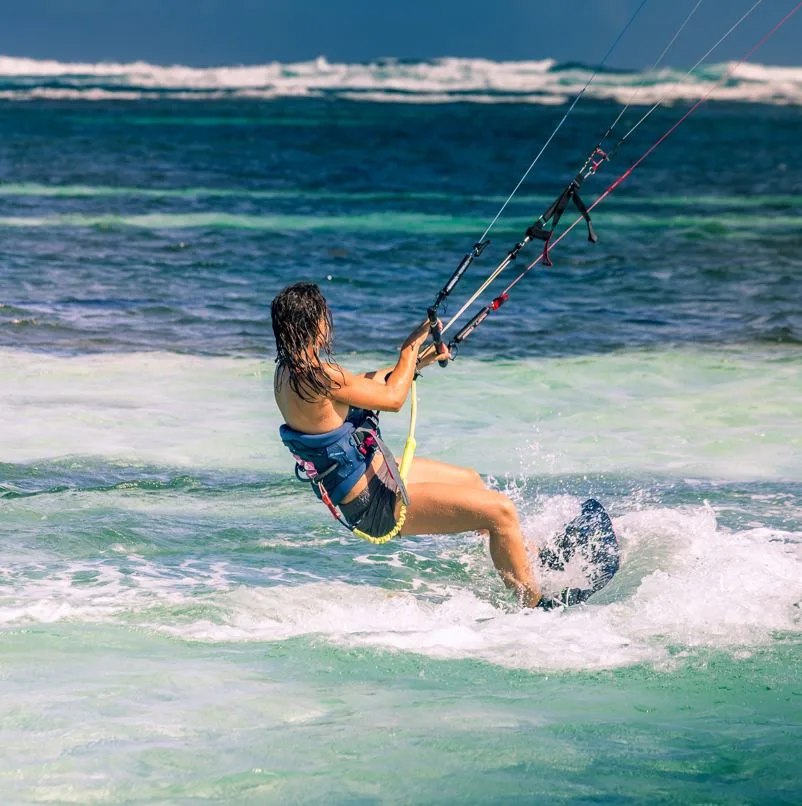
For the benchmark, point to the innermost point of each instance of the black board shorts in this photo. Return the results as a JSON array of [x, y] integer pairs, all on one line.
[[373, 510]]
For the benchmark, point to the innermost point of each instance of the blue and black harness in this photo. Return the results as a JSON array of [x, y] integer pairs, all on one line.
[[333, 462]]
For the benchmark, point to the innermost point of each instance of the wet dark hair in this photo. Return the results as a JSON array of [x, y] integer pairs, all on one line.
[[297, 312]]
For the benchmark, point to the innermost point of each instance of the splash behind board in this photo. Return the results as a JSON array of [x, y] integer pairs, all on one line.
[[590, 535]]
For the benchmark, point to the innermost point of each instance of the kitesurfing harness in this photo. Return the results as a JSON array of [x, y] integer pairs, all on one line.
[[333, 462]]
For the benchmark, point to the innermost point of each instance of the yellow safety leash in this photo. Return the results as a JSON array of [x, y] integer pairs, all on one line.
[[406, 463]]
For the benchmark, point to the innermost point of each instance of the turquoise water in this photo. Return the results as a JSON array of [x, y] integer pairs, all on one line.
[[181, 622]]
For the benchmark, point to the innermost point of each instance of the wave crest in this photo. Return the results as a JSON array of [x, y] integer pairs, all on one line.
[[436, 81]]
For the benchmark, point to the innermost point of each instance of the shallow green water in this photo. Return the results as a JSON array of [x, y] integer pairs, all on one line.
[[182, 624]]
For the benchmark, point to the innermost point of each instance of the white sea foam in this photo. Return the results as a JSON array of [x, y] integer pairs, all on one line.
[[721, 415], [437, 81], [685, 584], [684, 581], [176, 410]]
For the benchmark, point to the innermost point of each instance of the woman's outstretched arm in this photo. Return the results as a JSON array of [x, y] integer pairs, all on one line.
[[365, 393]]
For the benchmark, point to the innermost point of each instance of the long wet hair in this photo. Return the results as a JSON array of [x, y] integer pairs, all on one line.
[[304, 330]]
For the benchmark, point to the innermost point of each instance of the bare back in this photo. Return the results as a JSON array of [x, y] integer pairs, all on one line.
[[315, 417]]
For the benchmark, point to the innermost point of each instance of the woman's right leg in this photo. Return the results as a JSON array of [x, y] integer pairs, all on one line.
[[427, 471], [450, 508]]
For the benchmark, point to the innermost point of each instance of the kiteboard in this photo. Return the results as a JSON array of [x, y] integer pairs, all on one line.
[[591, 536]]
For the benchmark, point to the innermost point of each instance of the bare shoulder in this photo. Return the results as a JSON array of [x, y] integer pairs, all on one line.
[[309, 416], [340, 376]]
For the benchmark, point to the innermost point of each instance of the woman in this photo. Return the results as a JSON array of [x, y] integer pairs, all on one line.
[[325, 408]]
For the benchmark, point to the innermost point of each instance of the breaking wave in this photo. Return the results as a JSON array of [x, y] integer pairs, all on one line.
[[444, 80]]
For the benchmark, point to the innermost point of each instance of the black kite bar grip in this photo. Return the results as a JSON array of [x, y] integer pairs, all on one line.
[[477, 250], [478, 319], [470, 327], [437, 334]]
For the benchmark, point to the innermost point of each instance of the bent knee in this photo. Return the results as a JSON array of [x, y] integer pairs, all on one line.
[[506, 513], [473, 478]]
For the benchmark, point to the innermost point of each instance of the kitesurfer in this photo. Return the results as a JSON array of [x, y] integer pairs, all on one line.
[[332, 430]]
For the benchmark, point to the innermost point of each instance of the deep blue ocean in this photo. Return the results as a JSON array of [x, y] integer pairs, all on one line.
[[181, 622]]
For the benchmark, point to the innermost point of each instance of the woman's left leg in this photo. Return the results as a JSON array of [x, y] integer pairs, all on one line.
[[448, 508]]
